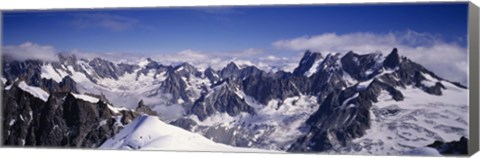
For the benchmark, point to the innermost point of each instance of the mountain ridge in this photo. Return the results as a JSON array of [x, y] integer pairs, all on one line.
[[325, 99]]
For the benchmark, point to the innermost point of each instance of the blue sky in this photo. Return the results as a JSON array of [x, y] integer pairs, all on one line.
[[435, 35], [160, 30]]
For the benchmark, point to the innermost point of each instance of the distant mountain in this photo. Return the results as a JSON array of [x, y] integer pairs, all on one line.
[[341, 103]]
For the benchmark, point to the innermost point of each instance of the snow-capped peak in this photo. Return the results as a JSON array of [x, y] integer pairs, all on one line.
[[144, 62]]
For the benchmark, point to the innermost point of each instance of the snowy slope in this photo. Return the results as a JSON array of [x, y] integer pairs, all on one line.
[[419, 120], [423, 151], [48, 72], [35, 91], [274, 126], [149, 133], [314, 68], [86, 98]]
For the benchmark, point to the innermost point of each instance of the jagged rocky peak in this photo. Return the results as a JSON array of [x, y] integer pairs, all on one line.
[[231, 66], [308, 60], [330, 63], [409, 72], [104, 68], [392, 60], [212, 75], [175, 86], [64, 119], [67, 59], [230, 71], [127, 68], [150, 60], [185, 66], [66, 85], [186, 69], [234, 71], [149, 63], [100, 62], [362, 67], [223, 99]]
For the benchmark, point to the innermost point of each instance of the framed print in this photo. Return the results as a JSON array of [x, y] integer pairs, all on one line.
[[354, 79]]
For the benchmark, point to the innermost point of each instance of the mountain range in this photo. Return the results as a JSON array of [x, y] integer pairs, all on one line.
[[334, 103]]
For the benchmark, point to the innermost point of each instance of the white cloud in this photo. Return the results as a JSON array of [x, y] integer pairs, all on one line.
[[215, 60], [116, 57], [448, 60], [196, 58], [199, 59], [30, 51]]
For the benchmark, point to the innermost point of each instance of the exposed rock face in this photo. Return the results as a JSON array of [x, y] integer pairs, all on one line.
[[223, 99], [66, 85], [19, 110], [175, 86], [29, 71], [362, 67], [61, 121], [453, 148], [184, 123], [392, 60], [186, 70], [264, 88], [328, 78], [104, 69], [230, 71], [212, 75], [142, 108], [306, 63]]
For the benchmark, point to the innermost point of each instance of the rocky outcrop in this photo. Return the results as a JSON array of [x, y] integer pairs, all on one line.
[[144, 109], [212, 75], [104, 68], [223, 99], [453, 148], [392, 60], [61, 121], [175, 86], [362, 67], [306, 63], [20, 116], [230, 71], [265, 88]]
